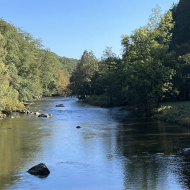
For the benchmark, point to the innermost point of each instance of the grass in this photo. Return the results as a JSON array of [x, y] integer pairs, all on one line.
[[174, 112]]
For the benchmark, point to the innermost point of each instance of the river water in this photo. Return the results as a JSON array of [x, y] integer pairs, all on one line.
[[110, 152]]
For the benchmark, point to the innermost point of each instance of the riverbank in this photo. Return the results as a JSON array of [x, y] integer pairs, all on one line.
[[169, 112], [24, 107], [174, 112]]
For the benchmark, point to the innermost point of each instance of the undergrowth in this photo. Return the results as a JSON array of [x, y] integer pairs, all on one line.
[[174, 113]]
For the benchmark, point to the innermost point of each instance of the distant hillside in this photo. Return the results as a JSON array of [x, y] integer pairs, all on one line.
[[69, 63]]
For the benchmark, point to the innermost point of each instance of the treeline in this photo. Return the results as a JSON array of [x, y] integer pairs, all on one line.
[[154, 67], [27, 70]]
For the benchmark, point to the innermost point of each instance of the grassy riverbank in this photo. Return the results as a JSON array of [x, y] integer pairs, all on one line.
[[174, 112], [170, 112]]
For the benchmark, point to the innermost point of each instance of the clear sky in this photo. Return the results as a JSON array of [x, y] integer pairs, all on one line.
[[68, 27]]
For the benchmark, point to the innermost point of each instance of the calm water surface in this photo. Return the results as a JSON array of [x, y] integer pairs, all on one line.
[[110, 152]]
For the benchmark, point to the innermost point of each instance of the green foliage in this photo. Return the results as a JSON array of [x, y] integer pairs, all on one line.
[[26, 70], [144, 75], [110, 75], [148, 72], [69, 64], [174, 113], [8, 95], [4, 77], [181, 46], [81, 77], [181, 16]]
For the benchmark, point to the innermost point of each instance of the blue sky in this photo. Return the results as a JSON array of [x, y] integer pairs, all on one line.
[[68, 27]]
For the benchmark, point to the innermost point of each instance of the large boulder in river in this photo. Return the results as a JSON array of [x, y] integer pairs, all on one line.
[[40, 169], [60, 105]]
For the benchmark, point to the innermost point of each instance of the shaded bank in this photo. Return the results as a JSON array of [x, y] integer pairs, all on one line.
[[174, 112]]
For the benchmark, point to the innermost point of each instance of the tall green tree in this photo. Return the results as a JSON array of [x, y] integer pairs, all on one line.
[[81, 77], [109, 75], [147, 70]]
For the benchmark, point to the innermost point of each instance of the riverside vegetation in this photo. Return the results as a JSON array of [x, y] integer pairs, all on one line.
[[154, 68], [174, 112], [28, 71]]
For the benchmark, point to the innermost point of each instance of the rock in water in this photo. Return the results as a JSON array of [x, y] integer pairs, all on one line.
[[37, 113], [43, 115], [60, 105], [40, 169]]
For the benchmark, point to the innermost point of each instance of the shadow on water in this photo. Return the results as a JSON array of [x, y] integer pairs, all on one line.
[[157, 154]]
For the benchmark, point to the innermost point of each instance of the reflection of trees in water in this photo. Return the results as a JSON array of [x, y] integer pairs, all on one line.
[[150, 148], [19, 144]]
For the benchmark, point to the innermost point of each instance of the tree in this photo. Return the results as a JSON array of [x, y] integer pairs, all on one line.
[[81, 77], [148, 76], [8, 96], [181, 45], [181, 30], [109, 75]]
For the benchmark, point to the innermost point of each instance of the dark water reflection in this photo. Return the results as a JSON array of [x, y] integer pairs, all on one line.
[[110, 152]]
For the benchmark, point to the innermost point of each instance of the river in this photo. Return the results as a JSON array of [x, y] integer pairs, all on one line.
[[110, 152]]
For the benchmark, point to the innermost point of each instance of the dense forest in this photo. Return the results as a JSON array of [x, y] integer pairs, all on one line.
[[154, 67], [27, 70]]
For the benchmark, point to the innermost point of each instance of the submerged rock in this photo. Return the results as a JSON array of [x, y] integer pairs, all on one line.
[[60, 105], [40, 169]]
